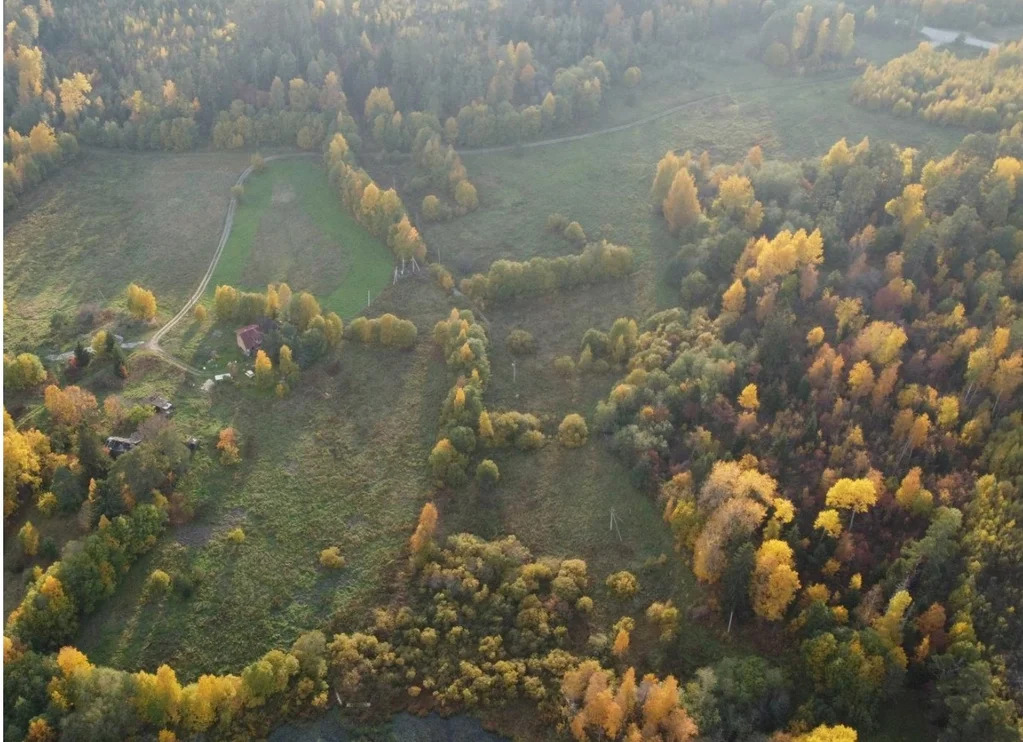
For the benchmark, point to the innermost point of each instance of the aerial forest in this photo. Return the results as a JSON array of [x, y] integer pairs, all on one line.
[[600, 370]]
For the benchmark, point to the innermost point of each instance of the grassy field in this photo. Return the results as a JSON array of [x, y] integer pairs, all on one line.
[[330, 465], [108, 220], [291, 227], [602, 182]]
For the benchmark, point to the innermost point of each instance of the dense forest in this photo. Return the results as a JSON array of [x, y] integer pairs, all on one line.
[[826, 416]]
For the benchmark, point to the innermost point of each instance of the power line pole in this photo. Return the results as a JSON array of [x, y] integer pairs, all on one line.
[[614, 524]]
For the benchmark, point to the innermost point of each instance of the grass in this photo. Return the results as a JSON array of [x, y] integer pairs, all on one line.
[[334, 464], [341, 462], [290, 226], [602, 182], [106, 221]]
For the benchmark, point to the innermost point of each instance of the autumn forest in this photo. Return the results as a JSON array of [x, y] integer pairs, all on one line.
[[598, 370]]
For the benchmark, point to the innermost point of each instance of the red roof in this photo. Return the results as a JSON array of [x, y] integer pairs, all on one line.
[[249, 336]]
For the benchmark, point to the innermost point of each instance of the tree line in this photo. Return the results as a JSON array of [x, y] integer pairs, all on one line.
[[830, 423], [941, 87]]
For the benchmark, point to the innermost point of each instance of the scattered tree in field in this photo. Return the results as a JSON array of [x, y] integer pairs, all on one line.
[[623, 584], [574, 233], [141, 303], [564, 366], [200, 313], [227, 444], [572, 432], [331, 558], [431, 208], [159, 581], [425, 528], [521, 343]]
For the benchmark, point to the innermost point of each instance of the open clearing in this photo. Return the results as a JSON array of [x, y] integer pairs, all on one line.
[[290, 226], [603, 181], [107, 221], [326, 466]]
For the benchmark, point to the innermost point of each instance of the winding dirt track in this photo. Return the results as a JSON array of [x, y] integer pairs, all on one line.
[[153, 344], [654, 116]]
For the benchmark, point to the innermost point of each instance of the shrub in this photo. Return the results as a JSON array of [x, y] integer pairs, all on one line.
[[29, 538], [236, 535], [564, 366], [556, 223], [487, 475], [572, 433], [23, 372], [574, 232], [465, 195], [238, 191], [227, 444], [331, 558], [530, 440], [159, 581], [521, 343], [665, 617], [623, 584]]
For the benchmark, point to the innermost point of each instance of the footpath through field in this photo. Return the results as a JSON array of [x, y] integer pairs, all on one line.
[[652, 117], [153, 344]]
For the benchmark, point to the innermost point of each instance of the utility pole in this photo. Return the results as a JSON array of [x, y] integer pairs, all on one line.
[[614, 524]]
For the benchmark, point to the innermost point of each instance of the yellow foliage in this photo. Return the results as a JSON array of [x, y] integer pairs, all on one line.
[[682, 204], [72, 662], [824, 733], [748, 398], [734, 298], [765, 259], [829, 522], [775, 581], [621, 643], [425, 528]]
